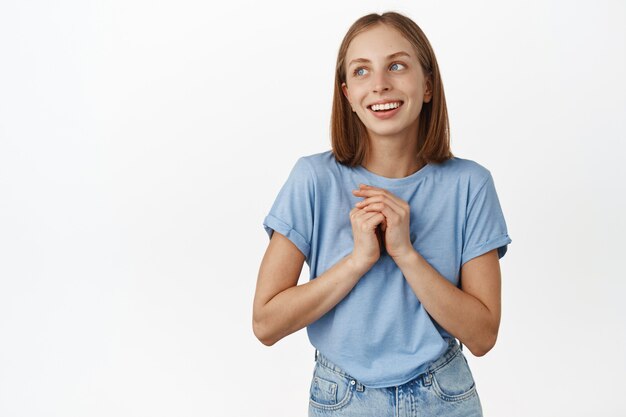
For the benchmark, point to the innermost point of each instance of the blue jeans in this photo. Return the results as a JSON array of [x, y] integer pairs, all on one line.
[[445, 389]]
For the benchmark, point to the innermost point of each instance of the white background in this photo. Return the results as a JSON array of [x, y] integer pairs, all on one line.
[[142, 143]]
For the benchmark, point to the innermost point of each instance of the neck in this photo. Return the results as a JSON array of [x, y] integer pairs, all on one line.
[[393, 156]]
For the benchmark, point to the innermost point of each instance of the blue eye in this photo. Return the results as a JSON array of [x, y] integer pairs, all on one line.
[[357, 72]]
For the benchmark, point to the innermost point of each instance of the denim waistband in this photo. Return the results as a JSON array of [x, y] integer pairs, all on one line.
[[451, 351]]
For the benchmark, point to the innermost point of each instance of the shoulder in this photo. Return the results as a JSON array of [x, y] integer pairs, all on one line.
[[318, 160], [310, 164], [320, 165], [465, 170], [309, 170]]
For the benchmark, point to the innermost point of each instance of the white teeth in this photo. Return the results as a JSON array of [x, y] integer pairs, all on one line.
[[386, 106]]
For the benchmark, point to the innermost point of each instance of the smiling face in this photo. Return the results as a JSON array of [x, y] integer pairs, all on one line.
[[382, 68]]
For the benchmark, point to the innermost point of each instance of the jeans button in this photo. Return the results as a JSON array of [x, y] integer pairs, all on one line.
[[352, 382]]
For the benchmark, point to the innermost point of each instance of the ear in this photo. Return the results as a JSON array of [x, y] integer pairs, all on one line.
[[428, 89], [344, 89]]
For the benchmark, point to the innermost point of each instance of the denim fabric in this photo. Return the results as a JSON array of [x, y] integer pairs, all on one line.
[[445, 389]]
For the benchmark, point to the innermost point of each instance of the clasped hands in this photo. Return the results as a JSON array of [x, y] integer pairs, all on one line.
[[381, 208]]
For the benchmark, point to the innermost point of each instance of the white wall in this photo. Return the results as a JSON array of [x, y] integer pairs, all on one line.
[[143, 142]]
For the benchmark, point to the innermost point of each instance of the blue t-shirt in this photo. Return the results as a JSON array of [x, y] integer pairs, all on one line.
[[380, 333]]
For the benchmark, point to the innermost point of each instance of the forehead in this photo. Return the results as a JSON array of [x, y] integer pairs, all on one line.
[[378, 42]]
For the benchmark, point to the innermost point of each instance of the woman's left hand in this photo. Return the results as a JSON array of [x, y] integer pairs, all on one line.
[[397, 217]]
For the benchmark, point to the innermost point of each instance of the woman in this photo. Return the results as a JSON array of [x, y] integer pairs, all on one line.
[[402, 240]]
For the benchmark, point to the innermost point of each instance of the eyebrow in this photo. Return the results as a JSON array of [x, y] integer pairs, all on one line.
[[394, 55]]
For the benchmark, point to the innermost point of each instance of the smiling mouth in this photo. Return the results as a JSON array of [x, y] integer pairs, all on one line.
[[387, 107]]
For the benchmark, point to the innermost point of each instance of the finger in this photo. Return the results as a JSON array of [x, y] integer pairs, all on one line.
[[363, 215], [375, 207], [379, 193], [391, 216], [356, 213], [377, 203], [367, 221], [374, 221], [380, 199]]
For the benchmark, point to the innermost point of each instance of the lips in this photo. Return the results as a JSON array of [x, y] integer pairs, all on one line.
[[385, 102], [386, 114]]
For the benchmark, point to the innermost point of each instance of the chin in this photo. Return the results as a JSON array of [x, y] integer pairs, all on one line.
[[386, 132]]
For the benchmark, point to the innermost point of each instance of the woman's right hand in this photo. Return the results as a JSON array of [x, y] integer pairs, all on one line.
[[367, 246]]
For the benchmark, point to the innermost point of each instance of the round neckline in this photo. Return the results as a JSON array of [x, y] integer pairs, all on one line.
[[379, 180]]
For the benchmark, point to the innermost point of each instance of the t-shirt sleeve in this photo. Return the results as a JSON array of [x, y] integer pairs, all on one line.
[[292, 211], [485, 227]]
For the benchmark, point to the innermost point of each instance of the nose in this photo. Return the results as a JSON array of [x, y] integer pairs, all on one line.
[[381, 82]]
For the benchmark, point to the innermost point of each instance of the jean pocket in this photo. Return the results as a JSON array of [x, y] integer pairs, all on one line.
[[453, 381], [330, 390]]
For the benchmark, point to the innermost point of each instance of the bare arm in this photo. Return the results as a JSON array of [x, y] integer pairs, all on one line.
[[471, 314], [282, 307]]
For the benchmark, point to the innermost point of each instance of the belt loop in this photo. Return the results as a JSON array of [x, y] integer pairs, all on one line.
[[427, 379]]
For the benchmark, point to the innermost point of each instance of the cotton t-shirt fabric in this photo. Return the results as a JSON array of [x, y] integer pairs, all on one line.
[[380, 333]]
